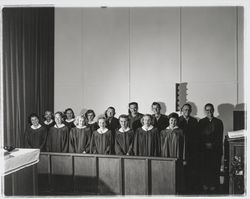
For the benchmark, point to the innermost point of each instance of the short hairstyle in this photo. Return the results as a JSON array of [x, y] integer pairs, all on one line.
[[156, 104], [76, 122], [173, 115], [69, 109], [111, 107], [101, 118], [59, 113], [147, 115], [89, 111], [186, 104], [32, 115], [132, 103], [209, 104], [52, 115], [124, 116]]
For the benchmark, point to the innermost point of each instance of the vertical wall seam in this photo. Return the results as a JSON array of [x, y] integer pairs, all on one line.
[[237, 56], [129, 67], [180, 46]]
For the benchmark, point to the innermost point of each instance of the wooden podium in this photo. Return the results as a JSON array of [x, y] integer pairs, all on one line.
[[20, 172]]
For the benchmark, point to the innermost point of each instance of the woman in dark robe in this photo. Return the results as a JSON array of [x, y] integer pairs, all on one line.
[[124, 137], [58, 136], [172, 139], [69, 118], [146, 138], [49, 120], [90, 115], [36, 134], [101, 140], [80, 136]]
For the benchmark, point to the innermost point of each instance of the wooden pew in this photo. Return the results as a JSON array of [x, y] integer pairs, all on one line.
[[91, 174]]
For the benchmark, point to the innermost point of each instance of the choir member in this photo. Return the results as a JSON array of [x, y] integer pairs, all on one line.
[[80, 136], [124, 137], [172, 139], [36, 134], [101, 140], [58, 135], [160, 121], [90, 115], [49, 121], [189, 126], [146, 141], [111, 121], [134, 116], [210, 131], [69, 118]]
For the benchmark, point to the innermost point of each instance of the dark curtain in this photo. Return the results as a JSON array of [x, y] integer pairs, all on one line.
[[28, 68]]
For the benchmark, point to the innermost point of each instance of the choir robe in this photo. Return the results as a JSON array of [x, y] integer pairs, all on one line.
[[101, 142], [36, 138], [49, 125], [58, 139], [124, 142], [162, 123], [113, 124], [146, 143], [79, 140], [135, 122], [70, 125], [172, 143], [210, 132]]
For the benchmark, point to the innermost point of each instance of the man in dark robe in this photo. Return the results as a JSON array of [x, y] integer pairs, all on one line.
[[160, 121], [134, 116], [189, 126], [211, 142]]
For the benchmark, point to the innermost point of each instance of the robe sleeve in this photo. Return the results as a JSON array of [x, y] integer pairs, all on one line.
[[71, 142], [135, 145], [118, 149], [65, 141], [110, 143], [130, 149], [44, 139], [92, 144], [86, 146], [26, 138], [48, 142]]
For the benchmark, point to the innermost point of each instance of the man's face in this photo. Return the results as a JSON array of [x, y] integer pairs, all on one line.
[[209, 111], [133, 108], [156, 109], [186, 111]]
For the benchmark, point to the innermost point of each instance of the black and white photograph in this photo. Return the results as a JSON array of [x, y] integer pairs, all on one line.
[[130, 99]]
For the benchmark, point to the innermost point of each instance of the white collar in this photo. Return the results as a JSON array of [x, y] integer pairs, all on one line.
[[91, 122], [122, 131], [176, 127], [71, 120], [81, 127], [148, 129], [60, 126], [47, 123], [102, 131], [36, 127]]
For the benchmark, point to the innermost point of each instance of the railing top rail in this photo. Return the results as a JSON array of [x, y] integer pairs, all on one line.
[[110, 156]]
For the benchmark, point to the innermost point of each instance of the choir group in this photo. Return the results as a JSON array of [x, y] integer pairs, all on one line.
[[197, 143]]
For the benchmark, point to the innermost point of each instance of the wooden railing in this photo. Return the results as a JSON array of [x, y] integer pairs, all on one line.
[[86, 174]]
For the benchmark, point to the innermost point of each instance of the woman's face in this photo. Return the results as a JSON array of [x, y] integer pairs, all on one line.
[[172, 122], [81, 121], [123, 122], [101, 123], [58, 118], [69, 114], [34, 121], [48, 115], [146, 121], [90, 116]]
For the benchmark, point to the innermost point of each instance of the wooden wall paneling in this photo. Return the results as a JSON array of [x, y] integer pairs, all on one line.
[[85, 176], [109, 176], [135, 177], [43, 168], [61, 174], [163, 177]]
